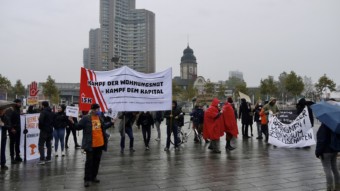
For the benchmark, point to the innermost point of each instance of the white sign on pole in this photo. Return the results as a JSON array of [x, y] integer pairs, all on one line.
[[72, 111]]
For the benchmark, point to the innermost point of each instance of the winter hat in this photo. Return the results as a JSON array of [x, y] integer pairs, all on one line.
[[95, 106]]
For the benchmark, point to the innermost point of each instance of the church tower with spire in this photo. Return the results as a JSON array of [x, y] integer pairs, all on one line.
[[188, 65]]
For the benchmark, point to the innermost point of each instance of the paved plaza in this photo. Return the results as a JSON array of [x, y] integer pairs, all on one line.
[[254, 165]]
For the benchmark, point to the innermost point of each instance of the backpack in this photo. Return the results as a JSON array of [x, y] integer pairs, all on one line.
[[335, 142]]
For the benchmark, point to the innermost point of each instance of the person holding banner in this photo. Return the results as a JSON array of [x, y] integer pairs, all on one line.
[[173, 121], [268, 109], [14, 130], [128, 118], [145, 120], [46, 120], [94, 142]]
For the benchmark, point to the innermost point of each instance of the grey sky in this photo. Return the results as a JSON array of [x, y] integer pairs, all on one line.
[[257, 37]]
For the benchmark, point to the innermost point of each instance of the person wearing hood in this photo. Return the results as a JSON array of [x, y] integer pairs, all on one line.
[[94, 142], [46, 120], [173, 118], [300, 106], [14, 131], [213, 125], [230, 124], [61, 122], [268, 109]]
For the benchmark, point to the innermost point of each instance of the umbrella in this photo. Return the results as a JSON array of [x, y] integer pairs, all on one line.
[[6, 104], [245, 96], [329, 114]]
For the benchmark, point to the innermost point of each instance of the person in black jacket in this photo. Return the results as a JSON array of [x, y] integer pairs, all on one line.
[[129, 119], [174, 119], [300, 106], [145, 120], [94, 142], [14, 131], [61, 122], [328, 157], [4, 124], [46, 119], [244, 112]]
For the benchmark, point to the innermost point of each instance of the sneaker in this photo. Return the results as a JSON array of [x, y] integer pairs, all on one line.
[[56, 155], [177, 148], [87, 183], [62, 153], [158, 139], [132, 150], [18, 159], [147, 148], [41, 162], [4, 167], [48, 161], [95, 180], [77, 146], [166, 149]]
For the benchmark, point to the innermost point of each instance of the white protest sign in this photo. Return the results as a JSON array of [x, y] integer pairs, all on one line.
[[32, 137], [72, 111], [297, 134]]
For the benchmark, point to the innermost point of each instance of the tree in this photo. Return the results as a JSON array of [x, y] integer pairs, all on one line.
[[189, 93], [176, 90], [294, 84], [5, 86], [18, 89], [324, 84], [232, 82], [221, 91], [268, 87], [50, 90], [241, 88], [209, 88], [308, 90], [281, 85]]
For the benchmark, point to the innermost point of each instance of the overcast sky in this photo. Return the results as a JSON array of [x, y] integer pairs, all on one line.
[[257, 37]]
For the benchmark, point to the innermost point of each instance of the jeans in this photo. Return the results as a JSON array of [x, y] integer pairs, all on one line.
[[59, 135], [146, 130], [329, 164], [245, 129], [92, 163], [45, 138], [259, 132], [129, 132], [158, 125], [174, 131]]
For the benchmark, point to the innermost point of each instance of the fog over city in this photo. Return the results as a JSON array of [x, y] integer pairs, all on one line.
[[257, 37]]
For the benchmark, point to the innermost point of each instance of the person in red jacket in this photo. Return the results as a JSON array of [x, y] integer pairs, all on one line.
[[213, 127], [230, 124]]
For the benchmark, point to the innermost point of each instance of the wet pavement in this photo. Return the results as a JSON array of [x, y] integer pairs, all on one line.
[[254, 165]]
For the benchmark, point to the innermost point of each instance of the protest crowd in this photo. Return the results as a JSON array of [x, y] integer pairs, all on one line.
[[209, 124]]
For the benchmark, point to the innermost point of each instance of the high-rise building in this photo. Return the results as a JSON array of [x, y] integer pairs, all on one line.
[[86, 61], [127, 36], [236, 74], [94, 50]]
